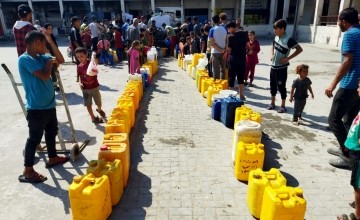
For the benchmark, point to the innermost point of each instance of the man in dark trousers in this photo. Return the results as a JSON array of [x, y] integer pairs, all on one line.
[[236, 46]]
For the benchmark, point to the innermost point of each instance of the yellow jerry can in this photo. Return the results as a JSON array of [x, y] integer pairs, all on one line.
[[128, 104], [205, 85], [213, 89], [117, 126], [116, 138], [90, 197], [114, 171], [284, 203], [248, 157], [117, 151], [258, 180]]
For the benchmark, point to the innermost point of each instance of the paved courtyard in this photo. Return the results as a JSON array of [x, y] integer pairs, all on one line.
[[180, 157]]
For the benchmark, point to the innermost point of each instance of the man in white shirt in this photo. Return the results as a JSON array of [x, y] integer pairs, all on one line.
[[217, 36], [95, 29]]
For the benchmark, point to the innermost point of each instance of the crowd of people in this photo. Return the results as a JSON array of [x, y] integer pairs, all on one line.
[[226, 44]]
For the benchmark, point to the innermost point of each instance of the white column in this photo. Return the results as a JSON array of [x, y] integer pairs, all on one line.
[[92, 5], [182, 10], [344, 4], [212, 8], [61, 6], [286, 9], [272, 12], [122, 6], [318, 10], [300, 11], [32, 8], [242, 13], [2, 20], [153, 5]]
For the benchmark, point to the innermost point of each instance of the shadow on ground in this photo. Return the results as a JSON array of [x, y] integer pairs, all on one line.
[[137, 195]]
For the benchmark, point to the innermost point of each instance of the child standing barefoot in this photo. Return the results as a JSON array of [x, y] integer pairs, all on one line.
[[89, 86], [253, 48], [299, 90]]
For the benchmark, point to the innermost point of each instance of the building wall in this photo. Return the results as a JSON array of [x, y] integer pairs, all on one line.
[[304, 33], [309, 11], [327, 34], [334, 7], [192, 4], [167, 3]]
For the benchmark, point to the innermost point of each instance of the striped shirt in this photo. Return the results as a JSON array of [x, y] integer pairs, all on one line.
[[351, 45], [282, 46]]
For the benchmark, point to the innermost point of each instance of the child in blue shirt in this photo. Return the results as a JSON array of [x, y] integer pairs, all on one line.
[[35, 72]]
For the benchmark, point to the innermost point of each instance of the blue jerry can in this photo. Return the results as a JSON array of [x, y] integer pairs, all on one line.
[[228, 107], [216, 109]]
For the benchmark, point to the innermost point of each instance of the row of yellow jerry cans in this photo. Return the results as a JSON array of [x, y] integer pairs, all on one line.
[[265, 189], [268, 197], [109, 175], [194, 60], [122, 118], [190, 65], [247, 150], [247, 127]]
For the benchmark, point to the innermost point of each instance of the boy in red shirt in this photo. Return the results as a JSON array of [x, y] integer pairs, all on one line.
[[89, 86]]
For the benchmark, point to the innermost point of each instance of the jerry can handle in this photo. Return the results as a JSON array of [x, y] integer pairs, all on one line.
[[271, 176], [283, 195]]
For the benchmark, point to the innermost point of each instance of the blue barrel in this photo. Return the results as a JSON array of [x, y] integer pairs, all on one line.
[[228, 107], [143, 80], [216, 109], [145, 77]]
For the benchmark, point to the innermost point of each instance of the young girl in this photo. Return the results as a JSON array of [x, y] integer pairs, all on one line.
[[299, 90], [253, 48], [134, 57]]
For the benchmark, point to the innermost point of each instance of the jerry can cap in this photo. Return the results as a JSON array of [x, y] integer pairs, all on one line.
[[104, 147], [77, 178], [93, 163], [106, 136]]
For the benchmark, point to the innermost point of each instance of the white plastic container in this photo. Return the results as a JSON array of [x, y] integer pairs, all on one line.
[[216, 97], [227, 93], [248, 132], [135, 77], [203, 62], [193, 72], [150, 56], [154, 51]]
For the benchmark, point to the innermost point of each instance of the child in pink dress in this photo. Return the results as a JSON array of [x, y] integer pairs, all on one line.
[[253, 48], [134, 57]]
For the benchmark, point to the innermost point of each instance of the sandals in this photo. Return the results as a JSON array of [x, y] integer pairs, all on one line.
[[35, 177], [270, 107], [282, 110], [59, 160], [97, 120], [101, 112], [347, 217]]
